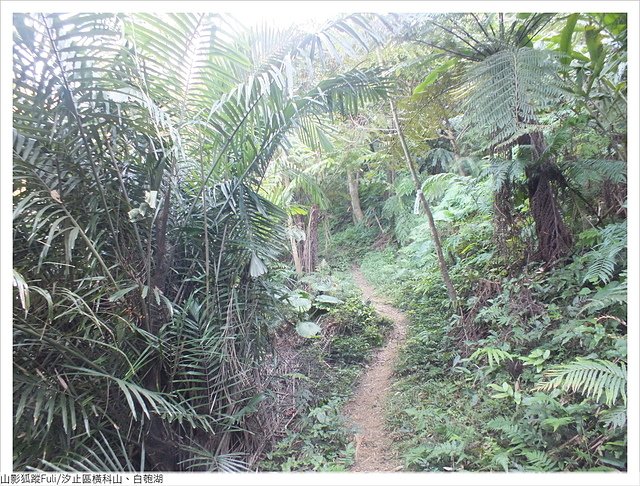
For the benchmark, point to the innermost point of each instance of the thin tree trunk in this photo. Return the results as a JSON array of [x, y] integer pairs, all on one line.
[[295, 252], [451, 291], [294, 249], [391, 179], [352, 181], [311, 241], [299, 248]]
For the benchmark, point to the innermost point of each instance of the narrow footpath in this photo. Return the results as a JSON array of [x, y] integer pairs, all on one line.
[[365, 410]]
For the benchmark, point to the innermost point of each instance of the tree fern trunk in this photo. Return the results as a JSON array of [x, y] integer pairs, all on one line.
[[554, 238]]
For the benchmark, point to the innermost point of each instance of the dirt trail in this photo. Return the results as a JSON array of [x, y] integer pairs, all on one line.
[[365, 410]]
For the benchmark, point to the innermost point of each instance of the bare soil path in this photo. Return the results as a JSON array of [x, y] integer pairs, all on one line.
[[365, 410]]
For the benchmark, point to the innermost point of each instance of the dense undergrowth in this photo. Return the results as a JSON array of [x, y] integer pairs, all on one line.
[[540, 385], [325, 368]]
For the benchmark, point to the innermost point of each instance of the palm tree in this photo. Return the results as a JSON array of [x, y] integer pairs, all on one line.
[[141, 239]]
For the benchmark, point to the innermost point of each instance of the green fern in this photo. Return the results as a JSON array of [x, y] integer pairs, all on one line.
[[611, 294], [506, 90], [615, 418], [540, 461], [446, 453], [493, 355], [591, 171], [502, 460], [518, 435], [590, 377], [603, 258], [506, 171], [435, 186]]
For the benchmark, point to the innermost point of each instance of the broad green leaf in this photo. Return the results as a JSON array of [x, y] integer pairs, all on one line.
[[580, 57], [308, 329], [328, 299], [433, 76], [323, 287], [302, 304]]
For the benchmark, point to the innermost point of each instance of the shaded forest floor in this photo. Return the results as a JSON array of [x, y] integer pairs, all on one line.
[[365, 411]]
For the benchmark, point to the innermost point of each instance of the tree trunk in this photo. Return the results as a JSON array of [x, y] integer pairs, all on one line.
[[352, 181], [298, 248], [554, 238], [311, 242], [294, 249], [391, 179], [451, 291]]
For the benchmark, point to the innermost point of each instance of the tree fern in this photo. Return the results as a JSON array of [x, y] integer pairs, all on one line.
[[590, 377], [505, 91]]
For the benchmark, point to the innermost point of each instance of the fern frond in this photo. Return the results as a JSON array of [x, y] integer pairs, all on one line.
[[590, 377], [518, 435], [435, 186], [611, 294], [505, 92], [591, 171], [505, 171], [540, 461], [616, 418], [603, 258]]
